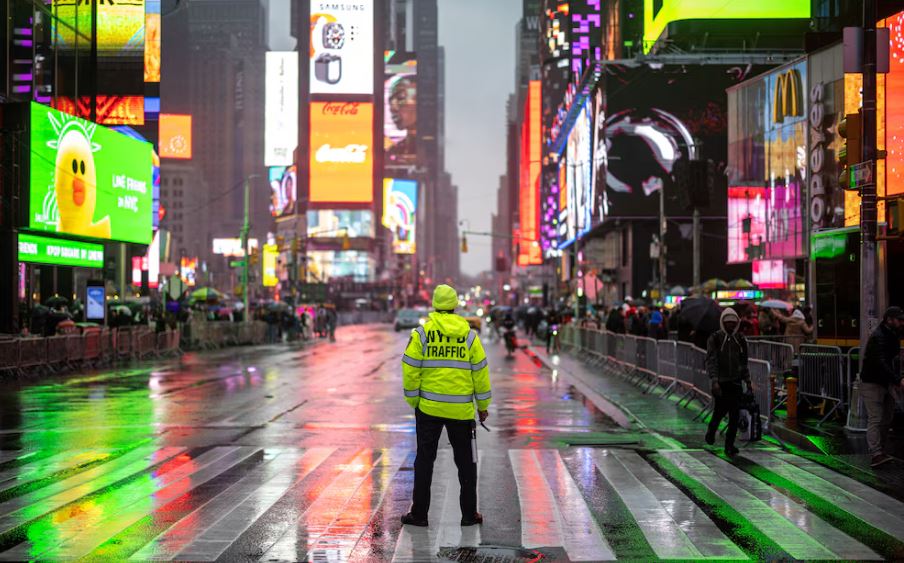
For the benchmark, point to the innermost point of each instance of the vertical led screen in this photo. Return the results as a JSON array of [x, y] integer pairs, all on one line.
[[175, 136], [400, 214], [152, 36], [341, 47], [268, 265], [746, 224], [341, 163], [529, 196], [281, 108], [400, 109], [894, 107], [283, 190], [579, 177]]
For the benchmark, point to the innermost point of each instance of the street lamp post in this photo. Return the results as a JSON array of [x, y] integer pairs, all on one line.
[[246, 228]]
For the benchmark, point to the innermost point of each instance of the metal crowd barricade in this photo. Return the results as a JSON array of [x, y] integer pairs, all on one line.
[[75, 350], [32, 352], [599, 347], [646, 362], [667, 367], [57, 353], [823, 376], [684, 367], [760, 378], [9, 355], [779, 355], [91, 345]]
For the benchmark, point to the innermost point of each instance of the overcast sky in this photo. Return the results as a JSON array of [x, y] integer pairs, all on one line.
[[479, 38]]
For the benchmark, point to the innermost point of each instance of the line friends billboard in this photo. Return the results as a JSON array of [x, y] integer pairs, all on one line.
[[341, 163], [88, 181], [400, 214]]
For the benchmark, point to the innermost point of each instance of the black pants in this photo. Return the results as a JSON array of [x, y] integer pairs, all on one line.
[[728, 402], [429, 429]]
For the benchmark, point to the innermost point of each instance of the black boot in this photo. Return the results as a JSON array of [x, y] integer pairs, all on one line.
[[412, 520], [477, 518]]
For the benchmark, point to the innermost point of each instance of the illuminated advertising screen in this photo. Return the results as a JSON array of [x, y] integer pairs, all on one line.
[[152, 35], [155, 173], [400, 214], [400, 108], [579, 176], [335, 223], [769, 274], [341, 163], [894, 108], [281, 107], [355, 265], [232, 247], [283, 190], [60, 252], [659, 13], [87, 180], [175, 136], [746, 224], [111, 110], [268, 264], [529, 193], [188, 270], [342, 47], [120, 26]]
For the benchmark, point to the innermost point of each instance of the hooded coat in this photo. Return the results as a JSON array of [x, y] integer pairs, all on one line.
[[726, 353]]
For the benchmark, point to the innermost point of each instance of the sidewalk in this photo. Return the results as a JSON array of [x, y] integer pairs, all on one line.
[[670, 426]]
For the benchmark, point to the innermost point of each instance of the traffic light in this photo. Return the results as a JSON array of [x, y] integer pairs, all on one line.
[[851, 150], [464, 244]]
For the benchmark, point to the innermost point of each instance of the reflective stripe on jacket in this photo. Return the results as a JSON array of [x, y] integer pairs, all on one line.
[[444, 368]]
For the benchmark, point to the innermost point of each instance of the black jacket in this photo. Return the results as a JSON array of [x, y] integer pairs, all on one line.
[[882, 360], [726, 357], [615, 323]]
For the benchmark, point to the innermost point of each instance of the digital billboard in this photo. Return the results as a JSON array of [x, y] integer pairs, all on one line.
[[87, 180], [400, 108], [175, 136], [529, 189], [152, 36], [579, 176], [281, 108], [341, 161], [110, 110], [746, 224], [268, 265], [660, 13], [342, 47], [334, 223], [283, 190], [894, 108], [60, 252], [400, 214], [232, 247], [120, 26]]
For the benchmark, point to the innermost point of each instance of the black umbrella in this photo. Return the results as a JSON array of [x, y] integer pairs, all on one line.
[[57, 301], [701, 313]]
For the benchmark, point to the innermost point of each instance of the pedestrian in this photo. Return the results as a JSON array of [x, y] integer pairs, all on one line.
[[797, 331], [616, 321], [657, 328], [881, 372], [444, 369], [726, 364]]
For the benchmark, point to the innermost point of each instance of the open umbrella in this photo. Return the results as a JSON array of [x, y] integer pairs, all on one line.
[[678, 290], [740, 284], [206, 294], [701, 313], [714, 284], [776, 304], [57, 301]]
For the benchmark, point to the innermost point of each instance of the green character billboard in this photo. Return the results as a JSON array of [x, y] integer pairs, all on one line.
[[87, 180]]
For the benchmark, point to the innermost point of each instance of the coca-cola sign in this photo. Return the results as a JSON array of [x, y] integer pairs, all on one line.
[[340, 108], [355, 154]]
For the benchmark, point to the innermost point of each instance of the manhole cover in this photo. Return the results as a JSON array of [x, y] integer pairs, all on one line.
[[490, 554]]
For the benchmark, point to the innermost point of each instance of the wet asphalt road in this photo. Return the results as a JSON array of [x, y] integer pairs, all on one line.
[[282, 454]]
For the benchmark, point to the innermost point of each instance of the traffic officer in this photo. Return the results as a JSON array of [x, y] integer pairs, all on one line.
[[444, 370]]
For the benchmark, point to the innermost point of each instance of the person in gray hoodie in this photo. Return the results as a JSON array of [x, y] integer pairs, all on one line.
[[726, 364]]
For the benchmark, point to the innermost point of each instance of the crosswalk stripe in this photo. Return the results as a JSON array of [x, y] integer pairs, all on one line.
[[666, 538], [9, 455], [343, 533], [181, 533], [774, 514], [47, 499], [47, 466], [700, 530], [563, 520], [872, 496], [297, 540], [420, 544], [78, 536], [844, 497]]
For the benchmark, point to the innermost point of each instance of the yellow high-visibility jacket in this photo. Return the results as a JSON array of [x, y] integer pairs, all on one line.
[[444, 368]]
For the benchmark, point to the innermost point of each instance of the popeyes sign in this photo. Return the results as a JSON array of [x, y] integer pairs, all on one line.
[[341, 160]]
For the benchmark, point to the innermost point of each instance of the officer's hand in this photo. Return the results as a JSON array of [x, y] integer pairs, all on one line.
[[716, 389], [483, 415]]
